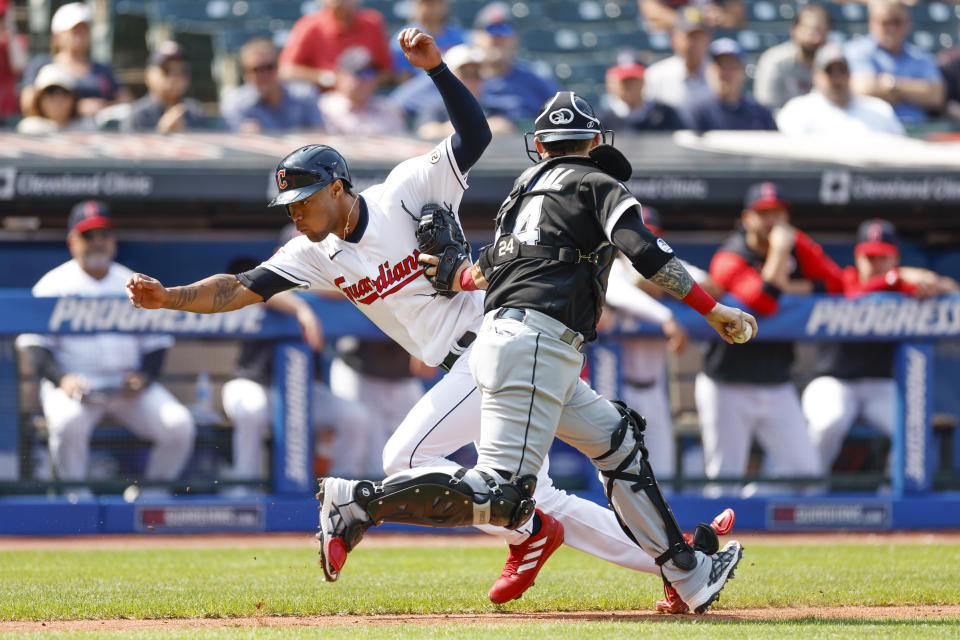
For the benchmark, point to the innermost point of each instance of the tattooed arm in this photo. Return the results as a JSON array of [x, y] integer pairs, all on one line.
[[211, 295], [654, 258], [673, 278]]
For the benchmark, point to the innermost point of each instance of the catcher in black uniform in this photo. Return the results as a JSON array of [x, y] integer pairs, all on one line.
[[545, 275]]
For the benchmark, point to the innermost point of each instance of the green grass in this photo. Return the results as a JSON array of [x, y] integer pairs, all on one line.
[[671, 629], [171, 583]]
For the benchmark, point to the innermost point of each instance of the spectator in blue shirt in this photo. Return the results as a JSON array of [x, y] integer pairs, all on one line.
[[429, 16], [727, 106], [883, 64], [165, 108], [264, 102], [625, 109], [511, 87]]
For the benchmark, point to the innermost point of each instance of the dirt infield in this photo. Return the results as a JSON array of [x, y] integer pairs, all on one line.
[[818, 613]]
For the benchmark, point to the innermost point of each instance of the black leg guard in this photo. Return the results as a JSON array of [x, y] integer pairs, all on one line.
[[437, 499], [678, 550]]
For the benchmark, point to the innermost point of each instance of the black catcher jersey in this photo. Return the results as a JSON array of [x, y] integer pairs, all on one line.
[[553, 248]]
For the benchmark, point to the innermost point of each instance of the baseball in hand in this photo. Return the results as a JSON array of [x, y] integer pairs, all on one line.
[[745, 334]]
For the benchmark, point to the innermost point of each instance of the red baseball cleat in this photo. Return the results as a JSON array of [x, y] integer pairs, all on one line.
[[672, 603], [525, 560], [723, 523]]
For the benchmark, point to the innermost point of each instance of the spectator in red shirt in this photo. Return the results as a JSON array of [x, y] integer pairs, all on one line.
[[855, 379], [745, 391], [13, 59], [318, 39]]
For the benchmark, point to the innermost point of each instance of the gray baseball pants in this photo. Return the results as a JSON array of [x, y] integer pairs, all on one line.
[[527, 367]]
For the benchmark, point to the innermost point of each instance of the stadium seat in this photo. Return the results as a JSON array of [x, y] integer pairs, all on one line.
[[933, 39], [464, 12], [580, 71], [392, 11], [931, 13], [560, 40], [590, 11], [767, 11], [846, 12]]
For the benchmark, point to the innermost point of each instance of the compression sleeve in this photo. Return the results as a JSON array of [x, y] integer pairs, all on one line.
[[816, 265], [265, 283], [45, 364], [471, 131], [889, 281], [646, 252], [152, 362], [736, 275]]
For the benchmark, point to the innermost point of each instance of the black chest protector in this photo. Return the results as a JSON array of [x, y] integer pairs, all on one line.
[[508, 247]]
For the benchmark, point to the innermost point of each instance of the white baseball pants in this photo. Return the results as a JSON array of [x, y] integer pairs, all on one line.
[[831, 405], [387, 402], [732, 414], [247, 404], [154, 414]]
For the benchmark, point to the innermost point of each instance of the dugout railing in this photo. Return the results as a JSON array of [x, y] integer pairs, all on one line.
[[916, 324]]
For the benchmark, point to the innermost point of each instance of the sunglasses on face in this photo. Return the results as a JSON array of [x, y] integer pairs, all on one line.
[[57, 91], [263, 68], [93, 234], [178, 70]]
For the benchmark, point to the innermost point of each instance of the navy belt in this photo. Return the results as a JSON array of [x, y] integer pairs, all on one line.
[[465, 341], [569, 336]]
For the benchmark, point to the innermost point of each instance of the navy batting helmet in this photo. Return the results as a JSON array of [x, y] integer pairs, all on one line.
[[307, 170]]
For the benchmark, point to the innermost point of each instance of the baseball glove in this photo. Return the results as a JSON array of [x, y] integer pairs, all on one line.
[[439, 234]]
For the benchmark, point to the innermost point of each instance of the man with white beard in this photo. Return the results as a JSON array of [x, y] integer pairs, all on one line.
[[87, 377]]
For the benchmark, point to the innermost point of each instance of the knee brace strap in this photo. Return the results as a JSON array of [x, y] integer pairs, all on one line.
[[677, 550], [439, 499]]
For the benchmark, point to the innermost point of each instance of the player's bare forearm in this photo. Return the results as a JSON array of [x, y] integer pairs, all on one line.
[[674, 279], [212, 295], [215, 294]]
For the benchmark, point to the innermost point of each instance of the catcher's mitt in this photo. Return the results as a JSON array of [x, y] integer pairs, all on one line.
[[439, 234]]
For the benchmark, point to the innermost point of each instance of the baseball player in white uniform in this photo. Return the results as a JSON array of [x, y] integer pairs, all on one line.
[[106, 374], [364, 246]]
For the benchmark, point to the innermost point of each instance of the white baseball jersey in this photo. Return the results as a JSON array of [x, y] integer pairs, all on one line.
[[101, 358], [372, 271]]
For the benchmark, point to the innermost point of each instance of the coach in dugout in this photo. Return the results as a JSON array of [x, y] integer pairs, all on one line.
[[744, 391], [85, 378], [855, 379]]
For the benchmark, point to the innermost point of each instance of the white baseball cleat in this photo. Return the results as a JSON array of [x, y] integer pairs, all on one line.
[[342, 524], [721, 570]]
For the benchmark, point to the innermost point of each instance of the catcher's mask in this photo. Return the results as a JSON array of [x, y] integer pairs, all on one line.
[[307, 170], [565, 116]]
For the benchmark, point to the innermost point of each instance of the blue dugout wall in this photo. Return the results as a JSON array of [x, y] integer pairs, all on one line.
[[918, 325]]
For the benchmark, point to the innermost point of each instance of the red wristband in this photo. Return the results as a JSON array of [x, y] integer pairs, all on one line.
[[699, 300], [466, 280]]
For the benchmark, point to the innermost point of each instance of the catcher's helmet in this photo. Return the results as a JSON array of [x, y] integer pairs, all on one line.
[[307, 170], [565, 116]]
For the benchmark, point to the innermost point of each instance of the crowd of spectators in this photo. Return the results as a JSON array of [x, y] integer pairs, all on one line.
[[339, 70]]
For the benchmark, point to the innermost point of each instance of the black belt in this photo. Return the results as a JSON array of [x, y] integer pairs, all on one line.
[[465, 341], [640, 384], [569, 335]]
